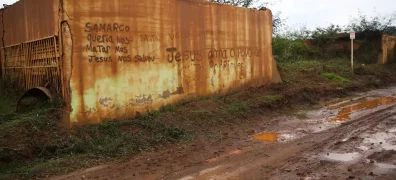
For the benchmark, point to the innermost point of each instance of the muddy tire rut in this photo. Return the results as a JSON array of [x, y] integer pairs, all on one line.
[[361, 147], [289, 160]]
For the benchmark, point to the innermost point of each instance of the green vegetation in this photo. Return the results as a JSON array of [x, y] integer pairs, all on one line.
[[312, 70], [34, 145], [199, 111], [9, 92], [169, 108], [237, 107], [272, 98], [54, 148], [335, 77]]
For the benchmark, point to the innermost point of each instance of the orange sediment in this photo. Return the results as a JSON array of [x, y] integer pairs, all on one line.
[[270, 137], [345, 113]]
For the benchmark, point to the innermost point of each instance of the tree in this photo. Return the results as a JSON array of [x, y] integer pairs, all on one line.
[[364, 23], [391, 30]]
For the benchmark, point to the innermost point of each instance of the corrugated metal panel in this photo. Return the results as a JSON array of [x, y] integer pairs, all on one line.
[[131, 56], [28, 20], [30, 49]]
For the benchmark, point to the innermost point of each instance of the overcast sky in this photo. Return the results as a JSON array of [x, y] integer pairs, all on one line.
[[313, 13]]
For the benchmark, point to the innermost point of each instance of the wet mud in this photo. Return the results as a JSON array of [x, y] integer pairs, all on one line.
[[346, 138]]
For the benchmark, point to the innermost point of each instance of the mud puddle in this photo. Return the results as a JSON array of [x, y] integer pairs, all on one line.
[[275, 137], [344, 157], [381, 140], [347, 108], [331, 115]]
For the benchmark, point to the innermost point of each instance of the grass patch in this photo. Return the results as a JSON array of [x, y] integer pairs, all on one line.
[[9, 94], [33, 145], [199, 111], [150, 114], [272, 98], [237, 107], [169, 108], [303, 71], [213, 137], [335, 77]]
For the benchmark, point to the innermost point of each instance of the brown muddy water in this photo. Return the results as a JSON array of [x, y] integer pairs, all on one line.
[[333, 113]]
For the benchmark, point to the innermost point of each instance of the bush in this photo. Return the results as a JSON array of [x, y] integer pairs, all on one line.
[[286, 49]]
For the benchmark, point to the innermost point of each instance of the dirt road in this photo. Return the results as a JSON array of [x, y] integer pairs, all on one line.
[[348, 138]]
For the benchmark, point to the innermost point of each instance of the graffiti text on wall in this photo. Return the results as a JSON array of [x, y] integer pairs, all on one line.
[[227, 57], [102, 45]]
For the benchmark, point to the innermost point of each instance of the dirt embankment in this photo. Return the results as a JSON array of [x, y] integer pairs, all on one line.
[[180, 136], [347, 138]]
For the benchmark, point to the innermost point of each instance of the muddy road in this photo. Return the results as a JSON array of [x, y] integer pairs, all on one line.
[[347, 138]]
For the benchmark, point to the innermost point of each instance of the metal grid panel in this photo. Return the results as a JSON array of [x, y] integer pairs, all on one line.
[[33, 64]]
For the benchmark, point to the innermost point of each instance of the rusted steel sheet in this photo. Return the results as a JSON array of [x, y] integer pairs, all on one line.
[[388, 49], [132, 56], [28, 20], [29, 45], [1, 43]]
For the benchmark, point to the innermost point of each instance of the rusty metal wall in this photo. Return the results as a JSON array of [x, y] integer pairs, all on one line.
[[388, 49], [29, 46], [28, 20], [132, 56], [1, 43]]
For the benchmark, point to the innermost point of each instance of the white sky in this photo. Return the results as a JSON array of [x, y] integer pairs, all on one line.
[[313, 13]]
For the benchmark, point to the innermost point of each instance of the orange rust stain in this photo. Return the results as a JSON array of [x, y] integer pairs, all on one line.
[[345, 113], [270, 137], [336, 101], [162, 52], [360, 100]]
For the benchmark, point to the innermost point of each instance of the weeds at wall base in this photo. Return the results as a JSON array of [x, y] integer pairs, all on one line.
[[38, 147]]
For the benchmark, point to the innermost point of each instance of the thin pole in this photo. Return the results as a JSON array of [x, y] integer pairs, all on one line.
[[352, 56]]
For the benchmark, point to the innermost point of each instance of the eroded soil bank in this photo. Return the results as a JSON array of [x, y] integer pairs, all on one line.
[[353, 137], [181, 140]]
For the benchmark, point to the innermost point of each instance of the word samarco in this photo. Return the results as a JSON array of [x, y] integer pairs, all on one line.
[[111, 27]]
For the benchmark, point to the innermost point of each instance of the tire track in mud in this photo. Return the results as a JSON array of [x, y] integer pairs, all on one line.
[[248, 166], [362, 124], [346, 130]]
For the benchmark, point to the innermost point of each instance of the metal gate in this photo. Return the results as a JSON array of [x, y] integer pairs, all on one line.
[[33, 64]]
